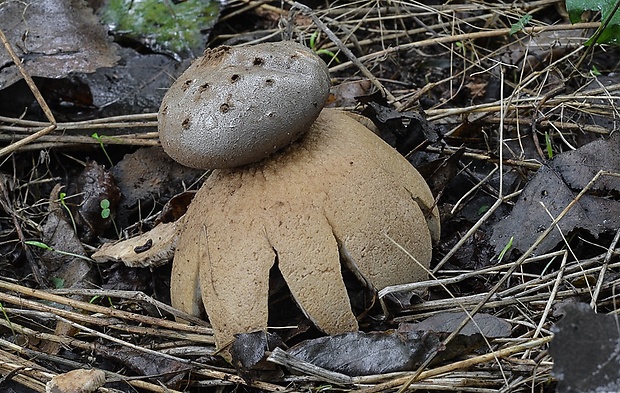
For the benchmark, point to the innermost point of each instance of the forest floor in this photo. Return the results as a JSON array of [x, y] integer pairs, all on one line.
[[502, 109]]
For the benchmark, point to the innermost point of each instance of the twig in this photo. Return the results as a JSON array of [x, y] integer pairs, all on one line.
[[343, 48], [500, 354], [37, 95], [463, 37]]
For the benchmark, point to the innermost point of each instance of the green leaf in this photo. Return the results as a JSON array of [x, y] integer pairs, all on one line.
[[105, 208], [611, 33], [57, 282], [505, 249], [313, 38], [38, 244], [523, 21], [548, 145]]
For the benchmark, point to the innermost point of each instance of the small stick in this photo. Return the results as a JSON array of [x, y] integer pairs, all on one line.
[[37, 95], [343, 48]]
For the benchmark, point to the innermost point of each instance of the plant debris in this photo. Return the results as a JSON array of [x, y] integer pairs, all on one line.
[[553, 189], [513, 96], [74, 42], [586, 351], [92, 187]]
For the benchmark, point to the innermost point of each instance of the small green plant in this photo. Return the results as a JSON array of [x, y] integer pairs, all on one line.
[[548, 145], [505, 250], [594, 71], [105, 208], [63, 203], [97, 297], [106, 212], [521, 23], [44, 246], [8, 321], [57, 282], [99, 139], [329, 53], [609, 30]]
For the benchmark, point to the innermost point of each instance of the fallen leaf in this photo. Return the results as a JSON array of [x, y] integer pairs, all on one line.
[[586, 351], [249, 352], [92, 187], [76, 381], [361, 353], [177, 206], [164, 370], [553, 188], [136, 85], [402, 130], [344, 94], [447, 322], [440, 172], [480, 328], [54, 38], [151, 249], [68, 266]]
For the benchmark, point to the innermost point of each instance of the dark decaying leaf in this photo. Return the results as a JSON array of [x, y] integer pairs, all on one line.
[[470, 338], [164, 370], [58, 233], [586, 351], [249, 351], [176, 207], [579, 166], [447, 322], [403, 130], [149, 175], [439, 173], [554, 187], [92, 186], [344, 94], [136, 85], [54, 38], [361, 353]]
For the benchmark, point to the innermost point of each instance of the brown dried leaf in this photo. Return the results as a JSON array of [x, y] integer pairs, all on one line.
[[92, 186], [150, 176], [151, 249], [76, 381], [54, 38]]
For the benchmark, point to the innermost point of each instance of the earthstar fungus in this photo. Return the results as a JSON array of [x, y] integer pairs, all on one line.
[[234, 106], [334, 191]]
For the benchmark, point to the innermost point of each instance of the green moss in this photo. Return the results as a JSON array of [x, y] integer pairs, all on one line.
[[161, 23]]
